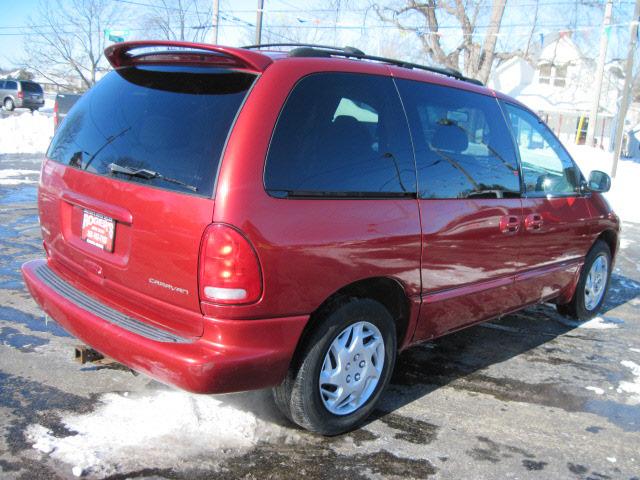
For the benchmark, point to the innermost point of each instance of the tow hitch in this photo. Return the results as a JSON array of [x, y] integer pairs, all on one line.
[[84, 354]]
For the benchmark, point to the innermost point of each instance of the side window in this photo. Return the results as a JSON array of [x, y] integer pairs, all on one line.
[[463, 148], [547, 168], [341, 133], [11, 85]]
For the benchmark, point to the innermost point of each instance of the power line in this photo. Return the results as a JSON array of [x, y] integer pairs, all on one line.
[[418, 28]]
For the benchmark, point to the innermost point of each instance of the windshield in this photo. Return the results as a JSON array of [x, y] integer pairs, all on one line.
[[170, 120]]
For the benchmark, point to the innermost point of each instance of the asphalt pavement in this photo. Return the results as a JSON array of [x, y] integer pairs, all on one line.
[[528, 396]]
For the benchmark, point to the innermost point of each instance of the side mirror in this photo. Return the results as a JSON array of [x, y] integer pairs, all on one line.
[[599, 181]]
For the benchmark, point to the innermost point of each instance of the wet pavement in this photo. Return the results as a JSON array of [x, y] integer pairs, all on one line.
[[528, 396]]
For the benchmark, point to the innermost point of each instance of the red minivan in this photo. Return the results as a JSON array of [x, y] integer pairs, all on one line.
[[228, 219]]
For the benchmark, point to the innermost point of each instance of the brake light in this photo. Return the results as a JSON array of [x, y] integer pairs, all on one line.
[[56, 120], [229, 268], [20, 94]]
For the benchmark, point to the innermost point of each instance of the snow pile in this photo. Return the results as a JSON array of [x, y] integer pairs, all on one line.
[[168, 426], [623, 196], [25, 133], [597, 323], [12, 176], [632, 387]]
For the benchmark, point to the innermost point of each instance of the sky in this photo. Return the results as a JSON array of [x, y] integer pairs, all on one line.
[[309, 20]]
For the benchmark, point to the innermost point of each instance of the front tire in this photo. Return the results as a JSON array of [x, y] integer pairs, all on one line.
[[341, 369], [593, 284]]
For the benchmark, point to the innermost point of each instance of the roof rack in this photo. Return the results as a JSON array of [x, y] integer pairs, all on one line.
[[310, 45], [312, 50]]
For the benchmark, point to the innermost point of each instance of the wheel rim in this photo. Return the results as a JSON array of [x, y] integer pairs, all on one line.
[[596, 282], [7, 104], [352, 368]]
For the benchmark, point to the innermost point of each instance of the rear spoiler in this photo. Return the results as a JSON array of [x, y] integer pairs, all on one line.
[[168, 52]]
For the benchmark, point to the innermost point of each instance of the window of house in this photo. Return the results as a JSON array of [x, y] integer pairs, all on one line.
[[545, 73], [560, 76], [550, 74]]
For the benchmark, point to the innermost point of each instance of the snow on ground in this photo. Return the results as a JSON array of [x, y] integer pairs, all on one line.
[[596, 390], [597, 323], [12, 176], [623, 196], [166, 425], [632, 387], [25, 133]]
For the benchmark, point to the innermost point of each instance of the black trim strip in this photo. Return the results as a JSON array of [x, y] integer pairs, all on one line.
[[114, 317]]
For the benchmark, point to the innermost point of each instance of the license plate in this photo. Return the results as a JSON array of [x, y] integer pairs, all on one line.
[[98, 230]]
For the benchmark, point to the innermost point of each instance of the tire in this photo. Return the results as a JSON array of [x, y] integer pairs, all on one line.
[[583, 307], [300, 397], [8, 105]]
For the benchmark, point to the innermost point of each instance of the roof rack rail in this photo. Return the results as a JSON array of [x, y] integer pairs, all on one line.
[[346, 49], [311, 50]]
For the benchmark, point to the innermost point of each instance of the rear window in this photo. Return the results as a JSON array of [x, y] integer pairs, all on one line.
[[31, 87], [173, 121]]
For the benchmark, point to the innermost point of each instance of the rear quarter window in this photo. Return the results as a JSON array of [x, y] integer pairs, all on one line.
[[344, 135], [170, 120]]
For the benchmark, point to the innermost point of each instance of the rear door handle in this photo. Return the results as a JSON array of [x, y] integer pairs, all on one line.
[[509, 224], [533, 222]]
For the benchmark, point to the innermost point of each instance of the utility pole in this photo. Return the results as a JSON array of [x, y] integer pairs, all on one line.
[[626, 89], [259, 22], [216, 20], [604, 40]]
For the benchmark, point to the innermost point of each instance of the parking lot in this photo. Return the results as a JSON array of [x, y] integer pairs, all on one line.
[[528, 396]]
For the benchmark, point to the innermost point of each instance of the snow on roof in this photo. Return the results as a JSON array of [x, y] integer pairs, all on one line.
[[560, 51], [570, 101]]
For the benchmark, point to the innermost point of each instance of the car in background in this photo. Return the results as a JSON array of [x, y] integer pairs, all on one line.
[[62, 105], [21, 94]]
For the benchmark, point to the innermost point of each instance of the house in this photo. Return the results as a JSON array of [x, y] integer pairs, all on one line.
[[558, 85]]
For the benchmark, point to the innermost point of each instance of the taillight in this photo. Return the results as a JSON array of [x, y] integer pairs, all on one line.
[[20, 94], [55, 115], [229, 267]]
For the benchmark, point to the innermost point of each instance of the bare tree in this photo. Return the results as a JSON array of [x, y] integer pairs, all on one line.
[[474, 53], [184, 20], [67, 39]]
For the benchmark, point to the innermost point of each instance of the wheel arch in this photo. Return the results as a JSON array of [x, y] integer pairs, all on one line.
[[609, 237], [388, 291]]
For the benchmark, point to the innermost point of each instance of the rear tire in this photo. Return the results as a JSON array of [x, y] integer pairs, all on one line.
[[360, 367], [8, 105], [593, 284]]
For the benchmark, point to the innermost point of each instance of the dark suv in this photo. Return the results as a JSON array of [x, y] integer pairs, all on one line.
[[227, 219], [21, 94]]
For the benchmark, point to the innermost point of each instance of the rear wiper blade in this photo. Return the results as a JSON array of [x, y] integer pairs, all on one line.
[[147, 174]]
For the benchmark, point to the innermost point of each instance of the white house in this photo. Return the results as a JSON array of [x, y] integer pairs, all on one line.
[[559, 87]]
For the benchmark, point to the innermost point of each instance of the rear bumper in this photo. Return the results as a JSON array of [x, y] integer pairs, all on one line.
[[232, 355], [28, 103]]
